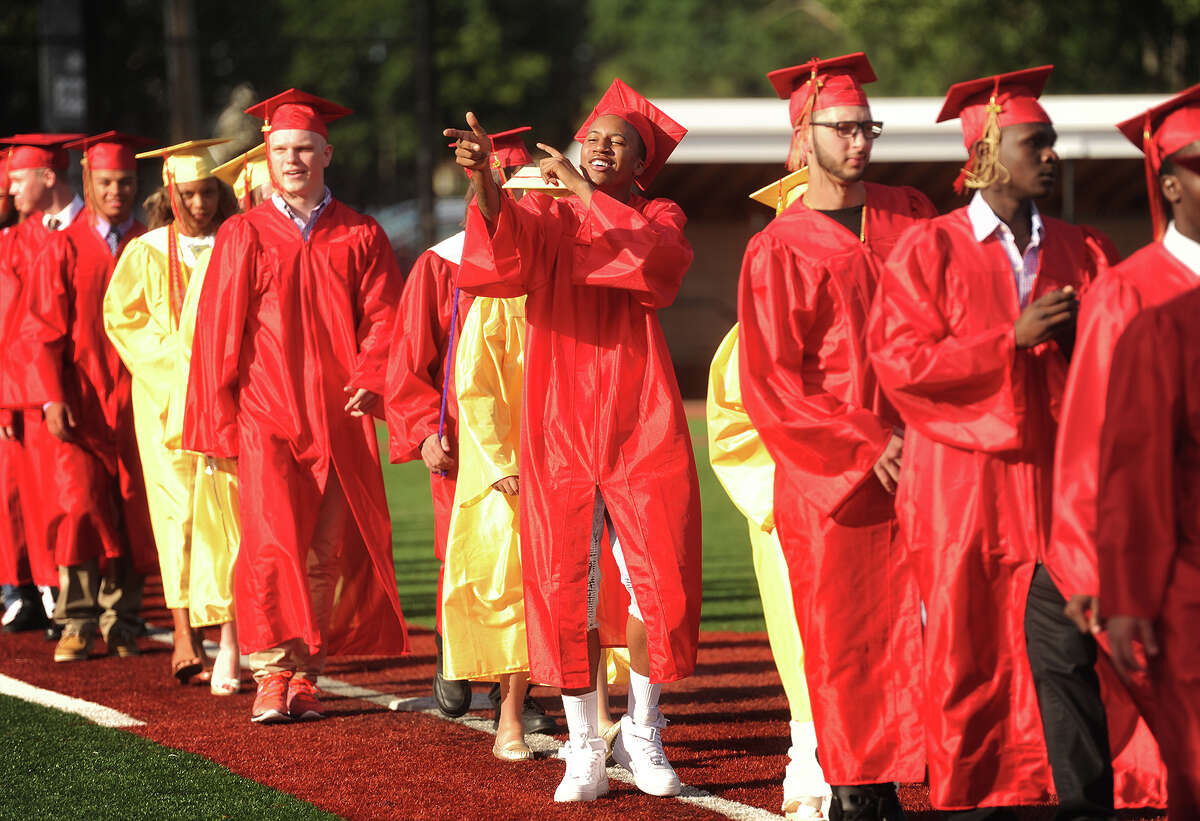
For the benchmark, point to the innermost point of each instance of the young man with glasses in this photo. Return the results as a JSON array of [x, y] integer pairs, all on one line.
[[807, 281]]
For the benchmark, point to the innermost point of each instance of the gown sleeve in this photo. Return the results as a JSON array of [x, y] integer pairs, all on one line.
[[44, 319], [415, 374], [643, 252], [518, 254], [142, 336], [1136, 510], [378, 288], [736, 451], [959, 389], [782, 315], [210, 412], [489, 375]]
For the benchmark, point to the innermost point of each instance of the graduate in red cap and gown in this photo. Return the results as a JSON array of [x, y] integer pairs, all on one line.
[[605, 447], [42, 195], [420, 406], [1153, 275], [288, 364], [806, 285], [1148, 508], [97, 523], [970, 337]]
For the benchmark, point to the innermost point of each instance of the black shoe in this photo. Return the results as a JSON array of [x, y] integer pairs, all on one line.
[[865, 802], [29, 617], [453, 698], [54, 632], [533, 714]]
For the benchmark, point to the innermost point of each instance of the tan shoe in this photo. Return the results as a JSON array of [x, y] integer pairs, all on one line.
[[73, 647], [514, 750], [122, 643]]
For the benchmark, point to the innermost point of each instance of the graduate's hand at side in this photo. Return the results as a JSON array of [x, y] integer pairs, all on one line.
[[887, 467], [473, 146], [1084, 611], [8, 432], [509, 485], [436, 454], [361, 401], [1046, 316], [558, 168], [60, 421], [1122, 632]]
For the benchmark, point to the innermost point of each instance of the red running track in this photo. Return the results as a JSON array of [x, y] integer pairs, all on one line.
[[728, 735]]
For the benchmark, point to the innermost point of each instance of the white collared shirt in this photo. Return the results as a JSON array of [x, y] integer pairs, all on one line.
[[66, 216], [1187, 251], [103, 226], [304, 225], [985, 223], [190, 247]]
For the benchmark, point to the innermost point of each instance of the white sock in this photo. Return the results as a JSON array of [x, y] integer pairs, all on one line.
[[581, 714], [47, 599], [643, 698], [803, 776]]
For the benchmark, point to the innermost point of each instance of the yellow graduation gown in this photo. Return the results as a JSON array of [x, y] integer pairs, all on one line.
[[194, 522], [747, 472], [483, 609]]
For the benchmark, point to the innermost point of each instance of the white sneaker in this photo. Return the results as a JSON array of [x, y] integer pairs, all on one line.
[[585, 778], [638, 748]]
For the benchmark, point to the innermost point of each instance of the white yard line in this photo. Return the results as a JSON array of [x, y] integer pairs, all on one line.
[[96, 713]]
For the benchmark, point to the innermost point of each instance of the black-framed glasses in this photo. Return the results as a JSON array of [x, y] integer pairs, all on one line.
[[846, 129]]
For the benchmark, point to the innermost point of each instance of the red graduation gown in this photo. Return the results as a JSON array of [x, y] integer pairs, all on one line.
[[601, 410], [975, 489], [71, 360], [21, 476], [806, 286], [417, 372], [283, 325], [1148, 516], [1149, 277]]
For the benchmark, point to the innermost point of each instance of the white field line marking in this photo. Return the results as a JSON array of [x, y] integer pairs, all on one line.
[[538, 742], [95, 713]]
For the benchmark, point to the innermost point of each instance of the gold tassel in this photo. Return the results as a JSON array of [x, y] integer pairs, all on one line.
[[984, 167], [796, 159]]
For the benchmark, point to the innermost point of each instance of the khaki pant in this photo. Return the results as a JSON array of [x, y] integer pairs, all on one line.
[[88, 601], [322, 563]]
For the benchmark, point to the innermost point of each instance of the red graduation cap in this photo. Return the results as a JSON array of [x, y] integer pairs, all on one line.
[[1015, 93], [4, 171], [660, 134], [110, 151], [299, 110], [837, 81], [1159, 132], [508, 149], [38, 150], [987, 105], [820, 84]]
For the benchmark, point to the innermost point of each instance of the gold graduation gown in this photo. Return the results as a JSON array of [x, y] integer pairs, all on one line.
[[747, 472], [193, 517], [483, 608]]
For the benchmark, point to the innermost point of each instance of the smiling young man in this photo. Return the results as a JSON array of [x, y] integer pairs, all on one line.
[[806, 285], [287, 367], [84, 390], [970, 336], [604, 443], [37, 179]]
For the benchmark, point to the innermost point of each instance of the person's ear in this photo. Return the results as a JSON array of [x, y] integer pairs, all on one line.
[[49, 177], [639, 167], [1171, 189]]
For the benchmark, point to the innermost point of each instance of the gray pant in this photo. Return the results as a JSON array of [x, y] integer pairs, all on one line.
[[88, 601]]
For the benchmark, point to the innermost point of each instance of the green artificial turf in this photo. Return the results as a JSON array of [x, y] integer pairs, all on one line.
[[59, 765], [730, 592]]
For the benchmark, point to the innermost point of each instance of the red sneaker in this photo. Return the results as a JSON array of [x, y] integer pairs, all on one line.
[[270, 705], [303, 700]]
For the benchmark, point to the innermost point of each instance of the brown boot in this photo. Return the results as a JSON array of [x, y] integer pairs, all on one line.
[[73, 647]]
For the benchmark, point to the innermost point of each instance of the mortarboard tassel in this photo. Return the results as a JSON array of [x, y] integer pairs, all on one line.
[[1153, 163], [983, 166]]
